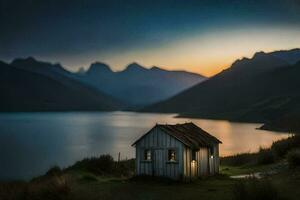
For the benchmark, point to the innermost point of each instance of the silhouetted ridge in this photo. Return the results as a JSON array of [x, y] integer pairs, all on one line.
[[290, 56], [258, 89], [155, 68], [33, 65], [259, 55], [33, 62], [26, 89], [138, 85], [135, 85], [99, 67], [28, 60], [135, 67]]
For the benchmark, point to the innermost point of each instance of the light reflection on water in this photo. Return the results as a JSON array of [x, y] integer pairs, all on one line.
[[30, 143]]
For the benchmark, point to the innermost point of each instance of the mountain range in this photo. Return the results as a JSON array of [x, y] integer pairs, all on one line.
[[24, 90], [137, 85], [98, 88], [265, 88]]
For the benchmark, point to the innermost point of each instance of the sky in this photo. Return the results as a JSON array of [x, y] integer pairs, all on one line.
[[199, 36]]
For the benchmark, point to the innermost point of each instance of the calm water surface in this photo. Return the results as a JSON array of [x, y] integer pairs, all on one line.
[[30, 143]]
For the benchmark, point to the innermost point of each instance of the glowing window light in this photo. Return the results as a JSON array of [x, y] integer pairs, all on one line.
[[147, 155], [172, 155]]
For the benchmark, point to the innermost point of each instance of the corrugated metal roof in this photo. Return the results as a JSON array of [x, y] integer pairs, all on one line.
[[189, 134]]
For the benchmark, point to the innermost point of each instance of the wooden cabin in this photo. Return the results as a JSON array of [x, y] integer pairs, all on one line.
[[181, 151]]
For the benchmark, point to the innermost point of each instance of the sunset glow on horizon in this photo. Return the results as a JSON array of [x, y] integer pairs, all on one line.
[[199, 36], [207, 53]]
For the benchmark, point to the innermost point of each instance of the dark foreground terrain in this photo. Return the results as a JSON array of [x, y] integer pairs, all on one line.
[[268, 174]]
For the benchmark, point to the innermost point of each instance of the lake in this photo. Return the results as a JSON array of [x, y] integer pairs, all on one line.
[[30, 143]]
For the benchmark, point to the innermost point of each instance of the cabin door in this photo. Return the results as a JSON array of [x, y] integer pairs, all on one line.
[[158, 164]]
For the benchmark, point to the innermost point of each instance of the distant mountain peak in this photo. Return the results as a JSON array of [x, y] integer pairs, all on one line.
[[134, 67], [30, 58], [259, 54], [287, 51], [99, 67], [239, 61], [290, 56], [31, 61], [58, 65], [156, 68]]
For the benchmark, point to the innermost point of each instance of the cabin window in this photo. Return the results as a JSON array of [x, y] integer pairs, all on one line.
[[171, 155], [147, 154], [193, 155]]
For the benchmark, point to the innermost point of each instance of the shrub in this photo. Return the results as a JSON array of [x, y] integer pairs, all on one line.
[[104, 164], [50, 188], [265, 156], [255, 189], [278, 150], [89, 178], [12, 190], [282, 147], [58, 187], [238, 159], [125, 168], [293, 158], [54, 171]]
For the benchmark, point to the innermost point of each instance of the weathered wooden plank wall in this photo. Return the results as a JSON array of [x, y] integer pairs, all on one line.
[[216, 158], [203, 161], [158, 141], [186, 162]]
